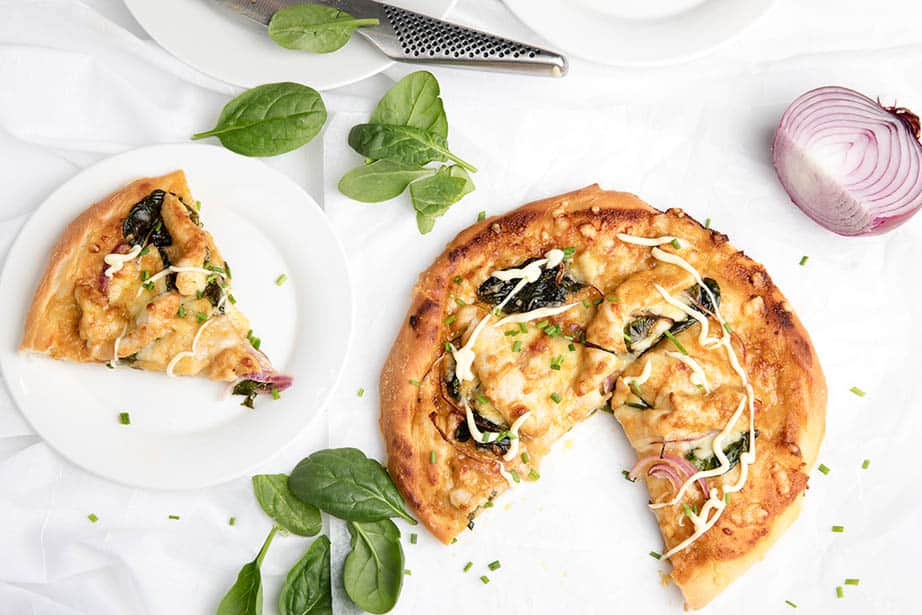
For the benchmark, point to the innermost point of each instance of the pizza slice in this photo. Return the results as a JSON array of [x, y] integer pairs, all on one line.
[[531, 321], [137, 281]]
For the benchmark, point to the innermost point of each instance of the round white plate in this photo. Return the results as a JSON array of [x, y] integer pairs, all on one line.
[[186, 433], [230, 47], [638, 32]]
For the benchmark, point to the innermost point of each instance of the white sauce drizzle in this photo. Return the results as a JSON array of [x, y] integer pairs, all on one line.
[[698, 376], [545, 312], [644, 375], [514, 436], [651, 241], [505, 474], [117, 261], [176, 269], [118, 340], [188, 353], [703, 338]]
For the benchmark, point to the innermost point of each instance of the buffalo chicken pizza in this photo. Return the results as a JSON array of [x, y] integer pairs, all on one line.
[[137, 281], [530, 322]]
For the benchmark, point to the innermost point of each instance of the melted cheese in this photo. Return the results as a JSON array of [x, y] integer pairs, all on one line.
[[117, 261], [701, 318], [188, 353], [545, 312], [698, 376], [175, 269], [651, 241]]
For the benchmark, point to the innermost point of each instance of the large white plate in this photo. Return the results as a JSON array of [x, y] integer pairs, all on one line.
[[217, 41], [184, 432], [638, 32]]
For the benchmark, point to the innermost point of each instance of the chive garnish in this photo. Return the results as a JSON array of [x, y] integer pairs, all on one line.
[[511, 332], [857, 391], [173, 517], [431, 457], [275, 393], [597, 301], [727, 328], [555, 397], [790, 604], [635, 389], [823, 468], [571, 347], [687, 509], [523, 328], [517, 346], [144, 275], [556, 362], [481, 216], [482, 399], [414, 382], [612, 299], [407, 571], [586, 304], [468, 566], [201, 316], [494, 565], [124, 419], [838, 529], [803, 260], [144, 251], [92, 517], [525, 458], [281, 279], [450, 320], [865, 464], [675, 244], [232, 521], [231, 298], [458, 279], [484, 579], [569, 252], [533, 474], [627, 476], [515, 476], [460, 301], [360, 392], [678, 344], [707, 223], [413, 538], [541, 325], [655, 555], [840, 593], [852, 581]]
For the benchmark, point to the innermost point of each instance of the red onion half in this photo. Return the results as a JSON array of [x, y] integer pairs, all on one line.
[[848, 162]]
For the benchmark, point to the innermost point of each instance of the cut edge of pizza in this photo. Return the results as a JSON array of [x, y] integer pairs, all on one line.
[[634, 298], [136, 280]]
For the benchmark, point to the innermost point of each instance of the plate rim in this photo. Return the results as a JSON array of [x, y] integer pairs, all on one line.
[[326, 397], [516, 8]]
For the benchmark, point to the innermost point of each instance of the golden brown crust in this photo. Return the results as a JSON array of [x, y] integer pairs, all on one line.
[[778, 356]]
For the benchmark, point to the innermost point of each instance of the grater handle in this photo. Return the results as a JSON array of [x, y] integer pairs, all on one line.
[[407, 36]]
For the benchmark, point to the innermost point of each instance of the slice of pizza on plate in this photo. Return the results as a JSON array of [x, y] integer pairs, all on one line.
[[136, 280]]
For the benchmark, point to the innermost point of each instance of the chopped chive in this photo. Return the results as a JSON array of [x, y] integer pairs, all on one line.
[[598, 301], [790, 604], [635, 389], [511, 332], [144, 275], [838, 529], [482, 399], [124, 418], [515, 476], [678, 344], [458, 279], [281, 279], [231, 298], [803, 260], [201, 316], [431, 457], [627, 476], [450, 320], [568, 252], [823, 468], [586, 304], [517, 346], [555, 397], [525, 457], [852, 581], [144, 251], [857, 391], [726, 498], [199, 294], [255, 342], [460, 301], [727, 328], [612, 299], [481, 216], [687, 509], [407, 571], [468, 566], [571, 347], [181, 312], [840, 593], [447, 346], [414, 382], [675, 244], [148, 285], [275, 393], [413, 538], [523, 328], [655, 555], [542, 325], [494, 565], [552, 331], [556, 362], [92, 517], [232, 521], [174, 517], [533, 474], [484, 579], [865, 464], [707, 223], [360, 392]]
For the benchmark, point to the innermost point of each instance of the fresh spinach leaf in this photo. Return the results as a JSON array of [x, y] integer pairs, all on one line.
[[286, 510], [307, 586], [314, 27], [269, 120], [348, 485], [404, 144], [379, 181], [433, 196], [245, 597], [373, 572], [144, 222], [413, 101]]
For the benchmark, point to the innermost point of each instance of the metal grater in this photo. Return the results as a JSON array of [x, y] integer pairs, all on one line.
[[413, 37]]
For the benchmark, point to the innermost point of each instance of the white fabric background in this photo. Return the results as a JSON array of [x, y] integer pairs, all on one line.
[[81, 81]]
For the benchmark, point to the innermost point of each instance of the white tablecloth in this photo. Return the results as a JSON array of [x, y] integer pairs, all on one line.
[[81, 81]]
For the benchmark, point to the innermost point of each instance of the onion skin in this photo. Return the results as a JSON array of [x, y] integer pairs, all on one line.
[[852, 165]]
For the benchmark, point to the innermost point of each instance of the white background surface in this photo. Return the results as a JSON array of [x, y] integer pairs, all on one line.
[[82, 81]]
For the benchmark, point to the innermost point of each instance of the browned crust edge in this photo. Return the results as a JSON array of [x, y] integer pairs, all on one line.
[[59, 277]]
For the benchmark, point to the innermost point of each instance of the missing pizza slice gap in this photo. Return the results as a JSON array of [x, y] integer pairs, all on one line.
[[137, 281]]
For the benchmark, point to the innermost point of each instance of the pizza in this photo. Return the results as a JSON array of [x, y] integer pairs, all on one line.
[[137, 281], [532, 321]]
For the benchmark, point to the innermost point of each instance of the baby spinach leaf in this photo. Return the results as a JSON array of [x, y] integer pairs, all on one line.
[[373, 572], [348, 485], [413, 101], [404, 144], [245, 597], [314, 27], [379, 181], [434, 195], [269, 120], [286, 510], [307, 586]]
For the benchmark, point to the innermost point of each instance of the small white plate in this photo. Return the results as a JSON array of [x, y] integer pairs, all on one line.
[[638, 32], [215, 40], [184, 432]]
